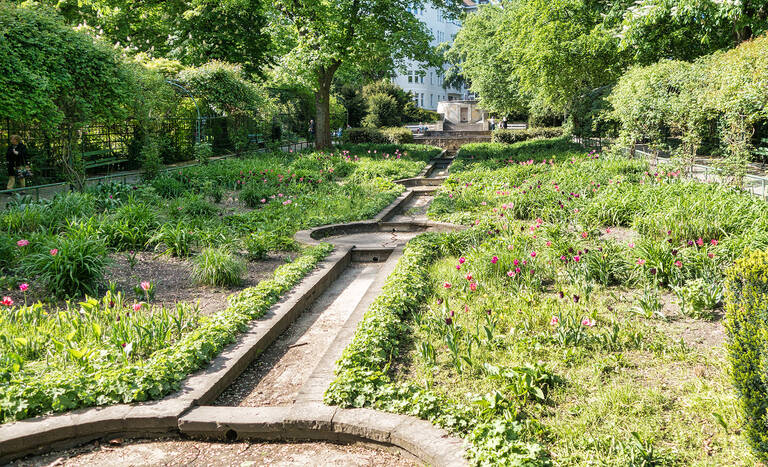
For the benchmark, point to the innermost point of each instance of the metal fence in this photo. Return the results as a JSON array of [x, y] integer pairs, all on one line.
[[757, 185], [175, 136]]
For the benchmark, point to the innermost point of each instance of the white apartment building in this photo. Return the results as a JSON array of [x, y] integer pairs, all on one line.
[[426, 84]]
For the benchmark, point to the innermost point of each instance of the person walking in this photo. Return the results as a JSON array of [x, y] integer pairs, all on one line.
[[504, 122], [18, 166], [311, 130], [493, 123]]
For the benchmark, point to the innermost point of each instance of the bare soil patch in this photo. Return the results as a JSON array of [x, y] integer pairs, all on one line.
[[698, 332], [173, 281], [620, 234], [176, 451]]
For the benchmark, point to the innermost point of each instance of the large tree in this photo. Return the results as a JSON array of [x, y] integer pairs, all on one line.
[[191, 31], [322, 37], [537, 54], [687, 29]]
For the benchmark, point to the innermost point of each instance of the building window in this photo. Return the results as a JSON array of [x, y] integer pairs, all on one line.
[[431, 100]]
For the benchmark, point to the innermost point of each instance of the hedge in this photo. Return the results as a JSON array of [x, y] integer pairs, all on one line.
[[516, 136], [746, 308], [378, 135], [31, 395]]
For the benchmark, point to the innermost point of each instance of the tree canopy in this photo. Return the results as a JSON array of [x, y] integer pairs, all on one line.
[[190, 31], [322, 37], [537, 55], [52, 72]]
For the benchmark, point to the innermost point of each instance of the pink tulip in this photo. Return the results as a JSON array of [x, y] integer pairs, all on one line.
[[679, 264], [533, 254], [588, 322], [447, 285], [7, 301], [641, 261], [462, 260], [23, 287], [54, 252], [494, 260], [137, 307], [145, 286], [554, 321], [22, 242]]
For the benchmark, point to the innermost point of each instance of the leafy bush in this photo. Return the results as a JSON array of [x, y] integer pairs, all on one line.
[[217, 266], [398, 135], [364, 135], [203, 152], [71, 265], [151, 162], [516, 136], [383, 111], [746, 302]]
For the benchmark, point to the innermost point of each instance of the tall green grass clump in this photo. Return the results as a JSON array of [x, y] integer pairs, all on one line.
[[217, 266], [72, 265], [746, 307]]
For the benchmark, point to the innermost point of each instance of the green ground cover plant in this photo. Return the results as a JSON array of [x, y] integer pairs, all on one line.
[[577, 320], [108, 351], [57, 355]]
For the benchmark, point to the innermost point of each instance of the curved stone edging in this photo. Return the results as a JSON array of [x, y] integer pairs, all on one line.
[[184, 411], [321, 422], [41, 434]]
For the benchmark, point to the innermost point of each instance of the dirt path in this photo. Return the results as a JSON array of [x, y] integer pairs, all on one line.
[[276, 376], [172, 452]]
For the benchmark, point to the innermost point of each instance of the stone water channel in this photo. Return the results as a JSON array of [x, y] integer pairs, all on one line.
[[298, 366]]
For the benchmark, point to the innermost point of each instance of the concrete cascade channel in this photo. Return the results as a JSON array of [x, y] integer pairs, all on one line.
[[269, 385]]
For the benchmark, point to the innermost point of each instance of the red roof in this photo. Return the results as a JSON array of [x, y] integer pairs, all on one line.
[[469, 3]]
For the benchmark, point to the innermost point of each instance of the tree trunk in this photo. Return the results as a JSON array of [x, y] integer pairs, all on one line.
[[323, 106]]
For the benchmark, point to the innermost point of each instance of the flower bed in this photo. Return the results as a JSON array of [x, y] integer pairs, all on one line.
[[580, 323], [214, 219]]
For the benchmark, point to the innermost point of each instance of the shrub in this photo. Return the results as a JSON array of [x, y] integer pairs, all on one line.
[[746, 303], [364, 135], [71, 265], [151, 162], [217, 266], [383, 111], [203, 152], [398, 135], [515, 136]]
